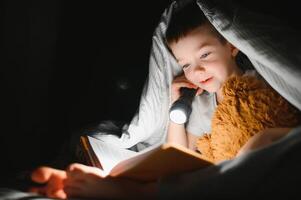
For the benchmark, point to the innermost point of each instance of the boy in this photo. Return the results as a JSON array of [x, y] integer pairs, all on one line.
[[207, 60]]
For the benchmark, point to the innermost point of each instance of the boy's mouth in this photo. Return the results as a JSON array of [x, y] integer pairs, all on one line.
[[206, 80]]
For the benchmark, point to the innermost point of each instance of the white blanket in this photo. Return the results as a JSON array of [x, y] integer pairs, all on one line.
[[273, 48]]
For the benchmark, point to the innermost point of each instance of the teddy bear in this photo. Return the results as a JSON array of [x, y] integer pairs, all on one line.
[[249, 106]]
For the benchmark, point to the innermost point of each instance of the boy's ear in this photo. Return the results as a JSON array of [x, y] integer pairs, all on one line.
[[234, 50]]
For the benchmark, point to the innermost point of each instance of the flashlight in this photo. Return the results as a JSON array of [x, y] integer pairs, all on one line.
[[181, 109]]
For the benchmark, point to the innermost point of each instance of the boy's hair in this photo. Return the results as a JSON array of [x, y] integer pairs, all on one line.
[[186, 19]]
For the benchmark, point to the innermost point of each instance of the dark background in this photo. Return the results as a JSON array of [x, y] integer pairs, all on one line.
[[66, 64]]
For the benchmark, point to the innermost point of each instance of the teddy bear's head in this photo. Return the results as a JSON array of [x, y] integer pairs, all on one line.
[[249, 106]]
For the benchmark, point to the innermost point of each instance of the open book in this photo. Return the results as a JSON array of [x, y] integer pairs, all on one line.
[[146, 165]]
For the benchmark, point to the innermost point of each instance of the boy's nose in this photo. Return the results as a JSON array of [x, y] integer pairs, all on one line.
[[198, 68], [195, 71]]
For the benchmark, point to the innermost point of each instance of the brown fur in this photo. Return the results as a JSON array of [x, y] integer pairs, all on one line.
[[249, 106]]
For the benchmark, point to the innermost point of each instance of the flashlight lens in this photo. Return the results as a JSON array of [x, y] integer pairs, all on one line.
[[178, 116]]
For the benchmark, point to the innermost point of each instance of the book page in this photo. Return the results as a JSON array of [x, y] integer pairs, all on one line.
[[109, 155]]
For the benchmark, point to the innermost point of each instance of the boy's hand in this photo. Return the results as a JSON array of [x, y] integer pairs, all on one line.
[[85, 181], [263, 139], [181, 81], [53, 180]]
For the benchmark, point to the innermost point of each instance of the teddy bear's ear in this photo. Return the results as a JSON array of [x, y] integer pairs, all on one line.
[[241, 84]]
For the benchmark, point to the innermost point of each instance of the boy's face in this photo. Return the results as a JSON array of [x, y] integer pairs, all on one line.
[[206, 61]]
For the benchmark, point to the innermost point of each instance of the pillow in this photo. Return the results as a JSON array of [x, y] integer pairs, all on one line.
[[149, 125]]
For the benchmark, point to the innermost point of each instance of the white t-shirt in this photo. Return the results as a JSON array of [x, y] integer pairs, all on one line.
[[203, 107]]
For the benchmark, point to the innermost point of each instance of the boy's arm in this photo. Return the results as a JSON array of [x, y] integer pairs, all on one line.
[[177, 134], [191, 140], [263, 139]]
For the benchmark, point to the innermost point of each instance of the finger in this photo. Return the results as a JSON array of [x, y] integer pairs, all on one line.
[[181, 80], [55, 184], [83, 169], [57, 180], [199, 91], [41, 174], [61, 194], [179, 85], [79, 177], [182, 75], [78, 167], [75, 176]]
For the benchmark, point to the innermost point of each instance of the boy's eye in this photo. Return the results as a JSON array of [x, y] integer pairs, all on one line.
[[185, 66], [205, 55]]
